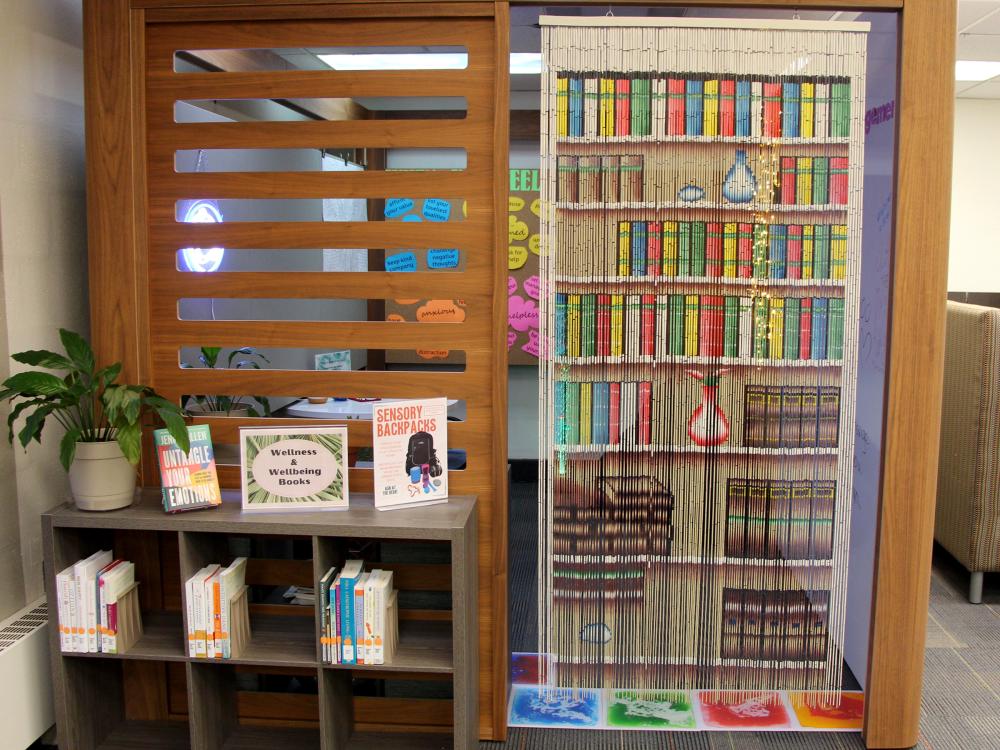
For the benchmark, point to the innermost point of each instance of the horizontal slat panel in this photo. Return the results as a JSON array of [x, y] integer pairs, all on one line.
[[275, 572], [279, 610], [402, 711], [470, 336], [471, 133], [335, 84], [357, 384], [417, 576], [425, 615], [163, 212], [359, 431], [471, 236], [377, 285], [466, 184], [288, 706], [170, 11]]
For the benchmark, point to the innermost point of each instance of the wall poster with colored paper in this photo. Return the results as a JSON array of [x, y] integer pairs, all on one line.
[[702, 198], [522, 267], [425, 259]]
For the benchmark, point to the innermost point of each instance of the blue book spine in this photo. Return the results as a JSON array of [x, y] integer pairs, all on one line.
[[600, 419], [819, 328], [638, 248], [559, 415], [560, 325], [743, 108], [349, 653], [693, 107], [790, 111], [778, 251], [576, 106]]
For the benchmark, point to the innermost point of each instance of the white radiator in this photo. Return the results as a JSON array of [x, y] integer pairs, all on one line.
[[25, 677]]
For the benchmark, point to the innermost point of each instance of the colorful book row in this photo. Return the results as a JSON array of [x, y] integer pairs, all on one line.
[[635, 326], [778, 519], [591, 105], [776, 626], [87, 603], [731, 250], [209, 596], [604, 413], [791, 416], [812, 181], [359, 615], [608, 178]]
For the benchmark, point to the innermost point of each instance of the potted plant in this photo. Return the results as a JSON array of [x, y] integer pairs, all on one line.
[[229, 406], [102, 419]]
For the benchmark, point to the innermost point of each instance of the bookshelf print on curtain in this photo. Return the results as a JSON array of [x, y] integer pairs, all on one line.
[[701, 188]]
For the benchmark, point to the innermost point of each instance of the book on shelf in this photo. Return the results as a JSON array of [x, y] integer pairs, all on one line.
[[713, 249], [727, 107], [784, 625], [791, 416], [410, 446], [656, 327], [358, 615], [710, 108], [790, 110], [730, 250], [709, 105], [611, 413], [807, 108], [92, 596], [693, 106], [651, 249], [189, 481], [779, 519]]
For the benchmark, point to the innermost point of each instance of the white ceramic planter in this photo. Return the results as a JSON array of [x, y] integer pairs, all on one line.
[[101, 477]]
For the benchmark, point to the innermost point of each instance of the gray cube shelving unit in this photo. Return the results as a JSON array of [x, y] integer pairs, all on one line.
[[89, 688]]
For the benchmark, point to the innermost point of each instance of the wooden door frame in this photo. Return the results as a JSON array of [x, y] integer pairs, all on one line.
[[916, 341]]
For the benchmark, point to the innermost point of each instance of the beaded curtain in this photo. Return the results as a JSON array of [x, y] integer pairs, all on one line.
[[701, 242]]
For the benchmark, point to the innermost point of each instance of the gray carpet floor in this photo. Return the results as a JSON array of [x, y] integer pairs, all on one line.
[[961, 700]]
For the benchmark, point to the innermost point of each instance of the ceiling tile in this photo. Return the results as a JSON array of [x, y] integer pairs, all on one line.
[[977, 47], [986, 90], [971, 11]]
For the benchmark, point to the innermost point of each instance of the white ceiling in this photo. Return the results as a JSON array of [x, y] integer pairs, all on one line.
[[978, 39]]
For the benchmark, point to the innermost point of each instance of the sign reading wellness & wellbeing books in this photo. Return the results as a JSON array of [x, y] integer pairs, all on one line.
[[302, 468], [410, 443]]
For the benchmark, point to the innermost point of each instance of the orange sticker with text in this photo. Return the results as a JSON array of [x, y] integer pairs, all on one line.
[[440, 311]]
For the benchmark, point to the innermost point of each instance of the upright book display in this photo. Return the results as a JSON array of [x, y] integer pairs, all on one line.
[[700, 337]]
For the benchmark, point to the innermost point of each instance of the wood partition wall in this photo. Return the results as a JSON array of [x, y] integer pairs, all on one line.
[[134, 286], [137, 286]]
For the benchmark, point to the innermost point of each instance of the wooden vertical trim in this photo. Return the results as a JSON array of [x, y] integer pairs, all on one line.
[[498, 522], [109, 71], [916, 357]]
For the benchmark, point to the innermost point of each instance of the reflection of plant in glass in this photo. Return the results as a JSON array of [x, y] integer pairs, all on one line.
[[239, 359], [86, 401]]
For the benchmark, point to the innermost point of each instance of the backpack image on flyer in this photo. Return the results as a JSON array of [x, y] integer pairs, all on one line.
[[419, 451], [409, 452]]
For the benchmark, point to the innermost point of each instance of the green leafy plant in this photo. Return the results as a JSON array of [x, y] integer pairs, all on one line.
[[238, 359], [86, 401]]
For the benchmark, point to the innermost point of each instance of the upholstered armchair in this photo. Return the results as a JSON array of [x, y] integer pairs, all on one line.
[[968, 499]]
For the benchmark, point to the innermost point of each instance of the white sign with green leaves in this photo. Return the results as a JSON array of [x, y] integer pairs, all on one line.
[[302, 468]]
